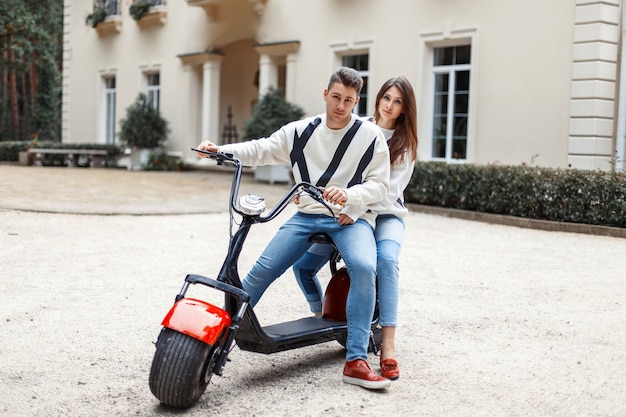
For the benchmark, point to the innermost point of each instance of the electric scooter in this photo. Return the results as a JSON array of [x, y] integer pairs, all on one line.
[[197, 336]]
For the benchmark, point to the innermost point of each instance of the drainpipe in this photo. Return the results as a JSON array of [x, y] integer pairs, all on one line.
[[621, 118]]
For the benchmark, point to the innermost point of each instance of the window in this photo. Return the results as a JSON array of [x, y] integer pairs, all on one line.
[[153, 82], [361, 64], [451, 70], [109, 110]]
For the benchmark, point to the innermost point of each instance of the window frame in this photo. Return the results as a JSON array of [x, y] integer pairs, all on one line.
[[153, 88], [425, 91], [354, 48], [451, 71], [109, 108], [365, 74]]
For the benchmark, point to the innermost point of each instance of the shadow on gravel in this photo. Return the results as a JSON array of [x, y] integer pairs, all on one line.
[[281, 371]]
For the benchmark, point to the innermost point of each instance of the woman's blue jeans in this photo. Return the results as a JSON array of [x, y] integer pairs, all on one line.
[[389, 234], [358, 249]]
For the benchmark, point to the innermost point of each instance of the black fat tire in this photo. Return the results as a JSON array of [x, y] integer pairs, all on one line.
[[181, 369]]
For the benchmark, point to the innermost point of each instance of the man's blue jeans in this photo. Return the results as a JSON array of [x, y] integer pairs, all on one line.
[[358, 249], [389, 234]]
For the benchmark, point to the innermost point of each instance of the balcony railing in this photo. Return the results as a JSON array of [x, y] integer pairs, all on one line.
[[112, 7], [153, 3]]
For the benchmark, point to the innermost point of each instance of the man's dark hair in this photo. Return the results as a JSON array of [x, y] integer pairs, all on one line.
[[348, 77]]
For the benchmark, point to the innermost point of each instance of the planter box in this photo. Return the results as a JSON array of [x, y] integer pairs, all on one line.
[[155, 17], [26, 158], [112, 25], [138, 158], [273, 173]]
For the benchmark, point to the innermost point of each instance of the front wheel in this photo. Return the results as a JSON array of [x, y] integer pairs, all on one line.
[[181, 368]]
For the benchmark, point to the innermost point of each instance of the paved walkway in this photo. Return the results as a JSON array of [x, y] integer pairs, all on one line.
[[119, 191]]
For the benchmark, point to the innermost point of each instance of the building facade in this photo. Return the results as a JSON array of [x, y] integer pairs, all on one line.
[[497, 81]]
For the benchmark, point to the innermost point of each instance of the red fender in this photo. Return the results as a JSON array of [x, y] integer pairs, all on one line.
[[334, 307], [198, 319]]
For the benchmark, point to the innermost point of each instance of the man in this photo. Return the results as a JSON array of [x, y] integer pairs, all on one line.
[[349, 158]]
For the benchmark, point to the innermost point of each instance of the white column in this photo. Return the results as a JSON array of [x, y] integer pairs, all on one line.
[[290, 82], [211, 99], [268, 74], [620, 140], [188, 137]]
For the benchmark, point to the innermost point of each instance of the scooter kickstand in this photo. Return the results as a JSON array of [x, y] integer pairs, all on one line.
[[373, 345]]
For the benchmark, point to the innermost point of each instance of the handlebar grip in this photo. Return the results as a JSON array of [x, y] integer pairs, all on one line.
[[220, 157]]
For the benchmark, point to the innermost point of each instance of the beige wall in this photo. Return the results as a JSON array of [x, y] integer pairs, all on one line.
[[522, 65]]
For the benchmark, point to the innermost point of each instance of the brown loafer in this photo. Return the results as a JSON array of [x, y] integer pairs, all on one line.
[[390, 369], [358, 372]]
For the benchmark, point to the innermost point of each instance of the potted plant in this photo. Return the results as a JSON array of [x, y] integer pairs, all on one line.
[[139, 9], [270, 114], [142, 130], [98, 16]]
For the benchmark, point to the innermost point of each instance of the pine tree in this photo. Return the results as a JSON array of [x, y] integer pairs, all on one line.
[[30, 69]]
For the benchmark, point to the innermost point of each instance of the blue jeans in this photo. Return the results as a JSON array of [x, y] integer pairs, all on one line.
[[358, 249], [389, 234]]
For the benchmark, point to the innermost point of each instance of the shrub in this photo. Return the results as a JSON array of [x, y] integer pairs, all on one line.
[[143, 126], [577, 196], [9, 151], [270, 114], [139, 9], [159, 160], [98, 16]]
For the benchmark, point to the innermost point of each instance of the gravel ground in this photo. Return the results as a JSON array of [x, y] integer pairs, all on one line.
[[494, 320]]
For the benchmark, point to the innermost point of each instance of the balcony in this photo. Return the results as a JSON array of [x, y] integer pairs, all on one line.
[[106, 17], [149, 12], [211, 7]]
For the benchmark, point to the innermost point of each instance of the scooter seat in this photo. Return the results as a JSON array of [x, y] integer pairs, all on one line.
[[321, 238]]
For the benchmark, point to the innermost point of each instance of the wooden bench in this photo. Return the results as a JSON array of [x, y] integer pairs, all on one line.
[[96, 156]]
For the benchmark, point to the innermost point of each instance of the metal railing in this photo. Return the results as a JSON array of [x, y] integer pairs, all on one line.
[[111, 7]]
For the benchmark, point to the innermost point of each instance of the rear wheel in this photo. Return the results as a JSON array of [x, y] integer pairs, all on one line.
[[181, 368]]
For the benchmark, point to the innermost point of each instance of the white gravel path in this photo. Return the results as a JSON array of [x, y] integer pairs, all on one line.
[[495, 320]]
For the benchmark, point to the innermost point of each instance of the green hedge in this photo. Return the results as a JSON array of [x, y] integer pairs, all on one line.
[[576, 196], [9, 151]]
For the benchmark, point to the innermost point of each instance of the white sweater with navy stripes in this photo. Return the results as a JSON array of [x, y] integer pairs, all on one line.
[[367, 149]]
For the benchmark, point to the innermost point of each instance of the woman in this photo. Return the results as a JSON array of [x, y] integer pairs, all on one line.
[[396, 115]]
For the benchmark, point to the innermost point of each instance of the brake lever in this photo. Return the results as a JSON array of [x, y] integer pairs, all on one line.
[[314, 192], [317, 193]]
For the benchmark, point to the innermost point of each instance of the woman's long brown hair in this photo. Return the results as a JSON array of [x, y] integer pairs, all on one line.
[[404, 139]]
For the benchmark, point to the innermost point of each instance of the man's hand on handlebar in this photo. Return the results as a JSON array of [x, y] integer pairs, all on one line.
[[207, 146], [335, 195], [343, 219]]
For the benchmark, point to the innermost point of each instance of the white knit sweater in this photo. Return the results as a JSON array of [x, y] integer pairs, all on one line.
[[318, 153], [400, 177]]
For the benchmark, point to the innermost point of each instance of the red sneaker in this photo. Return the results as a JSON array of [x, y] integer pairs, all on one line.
[[389, 368], [358, 372]]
